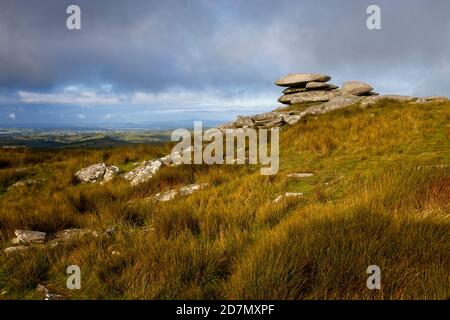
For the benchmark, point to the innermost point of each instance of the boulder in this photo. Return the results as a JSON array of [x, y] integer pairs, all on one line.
[[269, 120], [356, 88], [110, 173], [294, 90], [182, 191], [144, 172], [320, 86], [301, 79], [96, 172], [69, 235], [292, 119], [287, 195], [309, 96], [43, 290], [244, 121], [27, 236], [431, 99]]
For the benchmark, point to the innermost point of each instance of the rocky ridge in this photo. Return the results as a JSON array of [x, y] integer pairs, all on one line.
[[312, 90]]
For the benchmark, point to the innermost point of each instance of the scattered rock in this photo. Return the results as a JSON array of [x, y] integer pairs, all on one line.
[[292, 119], [300, 79], [41, 289], [27, 236], [144, 172], [431, 99], [300, 175], [307, 97], [287, 195], [25, 183], [182, 191], [334, 103], [356, 88], [69, 235], [244, 121], [96, 172], [374, 99], [16, 249], [110, 173]]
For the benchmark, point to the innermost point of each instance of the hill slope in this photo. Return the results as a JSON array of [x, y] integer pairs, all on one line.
[[380, 195]]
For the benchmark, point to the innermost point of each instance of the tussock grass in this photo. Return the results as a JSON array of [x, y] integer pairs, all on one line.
[[380, 195]]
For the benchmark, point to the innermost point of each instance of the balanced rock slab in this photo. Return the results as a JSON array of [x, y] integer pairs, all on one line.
[[320, 86], [356, 88], [309, 96], [300, 79], [295, 90]]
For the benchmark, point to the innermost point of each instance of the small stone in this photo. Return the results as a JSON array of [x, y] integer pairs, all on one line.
[[287, 195], [27, 236], [309, 96], [182, 191], [292, 119], [300, 175], [16, 249]]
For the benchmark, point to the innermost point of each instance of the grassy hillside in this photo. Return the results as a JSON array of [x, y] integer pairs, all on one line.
[[380, 194]]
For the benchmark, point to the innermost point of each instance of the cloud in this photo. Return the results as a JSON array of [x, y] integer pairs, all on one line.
[[217, 54], [12, 116], [169, 99], [70, 95], [80, 116]]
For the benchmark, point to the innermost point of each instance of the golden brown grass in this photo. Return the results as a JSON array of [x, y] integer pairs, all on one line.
[[378, 196]]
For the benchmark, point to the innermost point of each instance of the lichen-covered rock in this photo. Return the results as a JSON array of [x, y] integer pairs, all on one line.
[[287, 195], [300, 79], [300, 175], [144, 172], [320, 86], [96, 173], [357, 88], [309, 96], [70, 235], [334, 103], [244, 121], [374, 99], [182, 191], [292, 119], [28, 236]]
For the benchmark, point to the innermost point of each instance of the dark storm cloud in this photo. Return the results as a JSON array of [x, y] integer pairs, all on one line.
[[235, 46]]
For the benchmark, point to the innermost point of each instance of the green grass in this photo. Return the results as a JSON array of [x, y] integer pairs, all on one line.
[[378, 196]]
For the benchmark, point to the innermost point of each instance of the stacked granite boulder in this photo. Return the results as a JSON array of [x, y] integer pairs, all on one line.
[[313, 87], [310, 89]]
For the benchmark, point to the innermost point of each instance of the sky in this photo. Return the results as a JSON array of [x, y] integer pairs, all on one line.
[[138, 61]]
